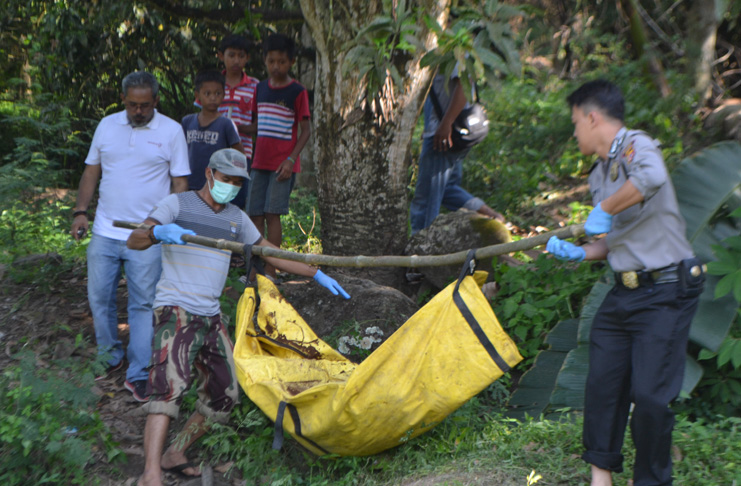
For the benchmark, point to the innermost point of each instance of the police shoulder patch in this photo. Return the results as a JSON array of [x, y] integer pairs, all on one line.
[[629, 153]]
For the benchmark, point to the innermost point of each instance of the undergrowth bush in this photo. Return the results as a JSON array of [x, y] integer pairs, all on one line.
[[530, 147], [49, 428], [302, 225], [535, 297]]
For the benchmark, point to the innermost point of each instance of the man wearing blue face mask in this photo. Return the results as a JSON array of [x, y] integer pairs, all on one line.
[[188, 331]]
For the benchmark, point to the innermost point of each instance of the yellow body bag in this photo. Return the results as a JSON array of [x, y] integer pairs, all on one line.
[[446, 353]]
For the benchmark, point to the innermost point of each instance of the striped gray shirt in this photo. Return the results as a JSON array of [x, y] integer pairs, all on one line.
[[193, 276]]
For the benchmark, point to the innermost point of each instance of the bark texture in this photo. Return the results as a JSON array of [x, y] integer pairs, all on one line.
[[701, 44], [362, 150]]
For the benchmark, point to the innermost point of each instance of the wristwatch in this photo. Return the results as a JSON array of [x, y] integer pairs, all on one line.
[[150, 233]]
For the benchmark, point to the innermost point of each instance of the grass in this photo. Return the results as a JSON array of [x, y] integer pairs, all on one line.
[[481, 449]]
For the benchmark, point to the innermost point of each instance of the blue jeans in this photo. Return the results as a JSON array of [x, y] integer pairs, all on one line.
[[143, 269], [438, 183]]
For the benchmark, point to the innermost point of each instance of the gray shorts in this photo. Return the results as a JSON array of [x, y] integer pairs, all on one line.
[[266, 195]]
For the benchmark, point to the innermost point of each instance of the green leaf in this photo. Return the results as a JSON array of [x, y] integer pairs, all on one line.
[[737, 286], [535, 387], [692, 374], [724, 286], [720, 267], [703, 183], [736, 354], [733, 242], [510, 307]]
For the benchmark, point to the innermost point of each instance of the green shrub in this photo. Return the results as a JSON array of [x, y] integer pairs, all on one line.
[[530, 148], [719, 390], [535, 297], [302, 226], [49, 428]]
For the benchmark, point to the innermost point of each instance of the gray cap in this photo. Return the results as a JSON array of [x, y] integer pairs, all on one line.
[[229, 162]]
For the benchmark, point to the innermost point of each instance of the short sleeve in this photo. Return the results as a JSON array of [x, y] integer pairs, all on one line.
[[249, 234], [167, 210], [232, 135], [179, 164], [93, 155], [301, 106], [645, 165]]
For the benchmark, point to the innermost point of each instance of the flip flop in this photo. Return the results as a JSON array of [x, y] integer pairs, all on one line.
[[180, 470]]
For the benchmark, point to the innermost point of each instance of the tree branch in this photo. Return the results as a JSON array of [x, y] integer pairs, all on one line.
[[414, 261], [223, 15]]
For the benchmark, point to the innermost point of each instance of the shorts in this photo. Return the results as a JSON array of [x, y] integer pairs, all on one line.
[[266, 195], [187, 346]]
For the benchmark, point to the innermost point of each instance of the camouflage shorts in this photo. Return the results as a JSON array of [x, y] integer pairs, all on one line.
[[185, 347]]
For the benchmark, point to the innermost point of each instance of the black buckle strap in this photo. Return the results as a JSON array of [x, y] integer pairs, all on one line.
[[278, 431], [467, 269], [252, 261]]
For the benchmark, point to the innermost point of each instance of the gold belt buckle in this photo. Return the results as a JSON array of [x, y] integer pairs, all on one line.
[[630, 279]]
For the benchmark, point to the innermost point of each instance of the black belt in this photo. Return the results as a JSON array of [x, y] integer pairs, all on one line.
[[643, 278]]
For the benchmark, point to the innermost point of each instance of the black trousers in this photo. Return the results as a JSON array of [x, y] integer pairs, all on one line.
[[637, 353]]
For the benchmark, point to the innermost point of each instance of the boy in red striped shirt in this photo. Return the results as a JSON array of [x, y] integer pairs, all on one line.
[[281, 115], [238, 93]]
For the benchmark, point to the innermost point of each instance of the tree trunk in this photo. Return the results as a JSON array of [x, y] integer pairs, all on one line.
[[362, 151], [701, 44], [643, 48]]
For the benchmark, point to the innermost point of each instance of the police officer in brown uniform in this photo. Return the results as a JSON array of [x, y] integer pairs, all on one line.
[[639, 335]]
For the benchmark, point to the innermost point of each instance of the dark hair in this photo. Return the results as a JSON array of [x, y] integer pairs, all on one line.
[[235, 42], [279, 42], [140, 79], [599, 94], [210, 75]]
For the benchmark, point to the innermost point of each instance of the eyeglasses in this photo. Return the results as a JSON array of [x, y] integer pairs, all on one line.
[[138, 106]]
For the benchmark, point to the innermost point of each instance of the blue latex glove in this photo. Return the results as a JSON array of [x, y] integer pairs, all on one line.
[[171, 233], [563, 250], [330, 283], [598, 222]]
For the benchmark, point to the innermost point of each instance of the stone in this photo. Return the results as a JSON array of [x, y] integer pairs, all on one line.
[[726, 118], [371, 303], [451, 233]]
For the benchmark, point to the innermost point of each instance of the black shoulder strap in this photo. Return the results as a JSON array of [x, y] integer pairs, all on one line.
[[436, 102], [475, 93]]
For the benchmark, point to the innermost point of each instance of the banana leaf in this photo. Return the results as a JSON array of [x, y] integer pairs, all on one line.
[[708, 190], [708, 187], [534, 389]]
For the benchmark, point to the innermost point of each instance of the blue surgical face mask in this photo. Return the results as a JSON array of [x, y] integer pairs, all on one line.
[[223, 192]]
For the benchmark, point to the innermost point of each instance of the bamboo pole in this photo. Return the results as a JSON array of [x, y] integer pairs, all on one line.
[[412, 261]]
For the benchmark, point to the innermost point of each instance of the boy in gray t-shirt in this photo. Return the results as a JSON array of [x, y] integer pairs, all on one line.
[[207, 131]]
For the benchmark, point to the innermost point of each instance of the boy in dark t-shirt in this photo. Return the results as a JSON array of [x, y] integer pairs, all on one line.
[[281, 111], [207, 131]]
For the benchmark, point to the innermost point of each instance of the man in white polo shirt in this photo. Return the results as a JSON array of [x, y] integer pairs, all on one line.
[[139, 156]]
